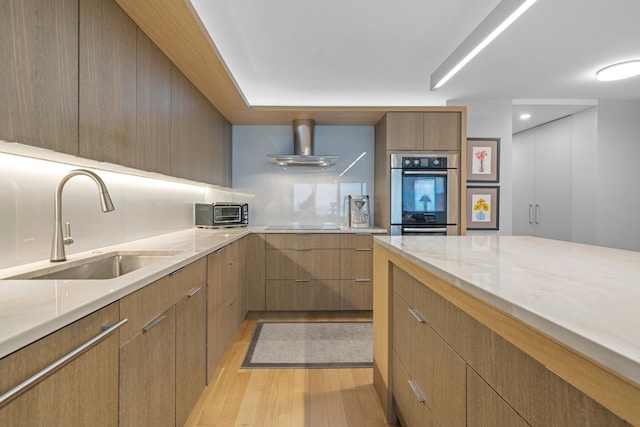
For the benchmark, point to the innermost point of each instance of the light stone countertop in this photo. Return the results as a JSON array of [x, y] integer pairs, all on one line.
[[587, 297], [32, 309]]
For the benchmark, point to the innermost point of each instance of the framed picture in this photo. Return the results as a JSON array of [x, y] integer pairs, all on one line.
[[483, 159], [483, 206]]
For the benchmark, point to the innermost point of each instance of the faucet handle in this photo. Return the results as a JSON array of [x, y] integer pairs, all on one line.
[[67, 240]]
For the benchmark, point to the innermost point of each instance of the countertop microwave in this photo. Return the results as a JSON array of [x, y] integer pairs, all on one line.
[[226, 214]]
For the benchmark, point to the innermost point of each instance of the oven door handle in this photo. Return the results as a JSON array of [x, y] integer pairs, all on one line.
[[425, 230], [424, 172]]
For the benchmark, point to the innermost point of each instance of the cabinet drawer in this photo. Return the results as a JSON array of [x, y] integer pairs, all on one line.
[[145, 304], [303, 241], [411, 409], [288, 295], [189, 277], [356, 241], [436, 369], [356, 263], [485, 407], [303, 264], [356, 294]]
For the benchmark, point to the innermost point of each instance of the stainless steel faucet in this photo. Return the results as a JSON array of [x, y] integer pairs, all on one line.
[[59, 241]]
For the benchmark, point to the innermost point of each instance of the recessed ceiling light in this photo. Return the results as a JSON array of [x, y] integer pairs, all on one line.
[[619, 71], [525, 116]]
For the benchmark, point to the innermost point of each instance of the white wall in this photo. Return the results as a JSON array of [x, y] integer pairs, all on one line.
[[144, 207], [304, 195], [492, 118], [618, 175]]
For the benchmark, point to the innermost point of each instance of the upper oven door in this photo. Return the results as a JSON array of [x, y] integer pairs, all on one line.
[[423, 197]]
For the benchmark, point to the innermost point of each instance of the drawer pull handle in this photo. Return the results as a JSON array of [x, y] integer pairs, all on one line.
[[302, 280], [194, 291], [417, 315], [233, 301], [416, 391], [303, 250], [220, 250], [364, 249], [363, 280], [36, 378], [177, 271], [154, 323]]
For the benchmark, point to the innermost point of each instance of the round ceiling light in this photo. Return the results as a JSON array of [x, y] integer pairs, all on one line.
[[619, 71]]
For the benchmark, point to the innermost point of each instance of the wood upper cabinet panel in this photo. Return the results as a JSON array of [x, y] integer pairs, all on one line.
[[107, 83], [39, 73], [183, 137], [153, 107], [442, 131], [405, 131]]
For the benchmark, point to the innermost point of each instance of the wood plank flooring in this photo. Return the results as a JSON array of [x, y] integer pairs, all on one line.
[[285, 397]]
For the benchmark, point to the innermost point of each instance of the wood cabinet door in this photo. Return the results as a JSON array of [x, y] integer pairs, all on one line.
[[405, 131], [215, 312], [153, 107], [107, 42], [148, 375], [191, 351], [255, 269], [356, 294], [412, 411], [39, 77], [442, 131], [83, 392]]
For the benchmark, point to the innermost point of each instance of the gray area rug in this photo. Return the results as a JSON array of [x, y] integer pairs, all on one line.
[[311, 345]]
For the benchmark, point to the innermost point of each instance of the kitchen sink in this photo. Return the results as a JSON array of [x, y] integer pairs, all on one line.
[[101, 267]]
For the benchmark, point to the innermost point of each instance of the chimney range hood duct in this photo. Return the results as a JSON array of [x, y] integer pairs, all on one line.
[[302, 148]]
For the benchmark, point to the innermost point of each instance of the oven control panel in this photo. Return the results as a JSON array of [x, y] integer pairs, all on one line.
[[424, 162]]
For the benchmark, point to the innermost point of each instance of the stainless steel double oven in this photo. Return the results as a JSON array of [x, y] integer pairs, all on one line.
[[424, 193]]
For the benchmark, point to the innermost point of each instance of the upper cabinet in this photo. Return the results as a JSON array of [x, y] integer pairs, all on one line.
[[39, 73], [424, 131], [83, 79], [107, 83]]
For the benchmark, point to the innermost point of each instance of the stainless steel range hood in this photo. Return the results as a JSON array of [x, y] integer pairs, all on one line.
[[302, 148]]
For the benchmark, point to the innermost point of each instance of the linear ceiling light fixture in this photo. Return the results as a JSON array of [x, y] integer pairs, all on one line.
[[619, 71], [504, 14]]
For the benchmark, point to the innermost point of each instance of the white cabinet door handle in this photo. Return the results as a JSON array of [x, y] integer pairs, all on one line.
[[537, 213], [530, 214]]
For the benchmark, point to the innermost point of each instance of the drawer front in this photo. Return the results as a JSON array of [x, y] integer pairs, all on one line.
[[356, 294], [356, 264], [302, 241], [485, 407], [436, 369], [286, 295], [356, 241], [146, 304], [191, 276], [411, 411], [303, 264]]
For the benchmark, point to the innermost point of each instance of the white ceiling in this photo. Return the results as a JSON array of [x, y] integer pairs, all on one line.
[[381, 53]]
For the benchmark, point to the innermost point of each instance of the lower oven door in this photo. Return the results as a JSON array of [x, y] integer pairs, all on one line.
[[412, 230]]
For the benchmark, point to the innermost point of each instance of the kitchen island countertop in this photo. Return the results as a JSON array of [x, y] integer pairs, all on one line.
[[586, 297]]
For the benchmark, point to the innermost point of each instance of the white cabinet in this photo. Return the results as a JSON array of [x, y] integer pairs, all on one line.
[[542, 181]]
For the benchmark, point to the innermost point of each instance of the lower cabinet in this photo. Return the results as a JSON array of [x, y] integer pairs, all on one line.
[[306, 272], [464, 373], [163, 351], [81, 393], [148, 375]]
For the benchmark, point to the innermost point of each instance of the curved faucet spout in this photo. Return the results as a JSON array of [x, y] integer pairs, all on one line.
[[57, 245]]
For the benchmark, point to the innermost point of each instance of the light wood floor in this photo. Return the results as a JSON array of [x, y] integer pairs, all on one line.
[[285, 397]]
